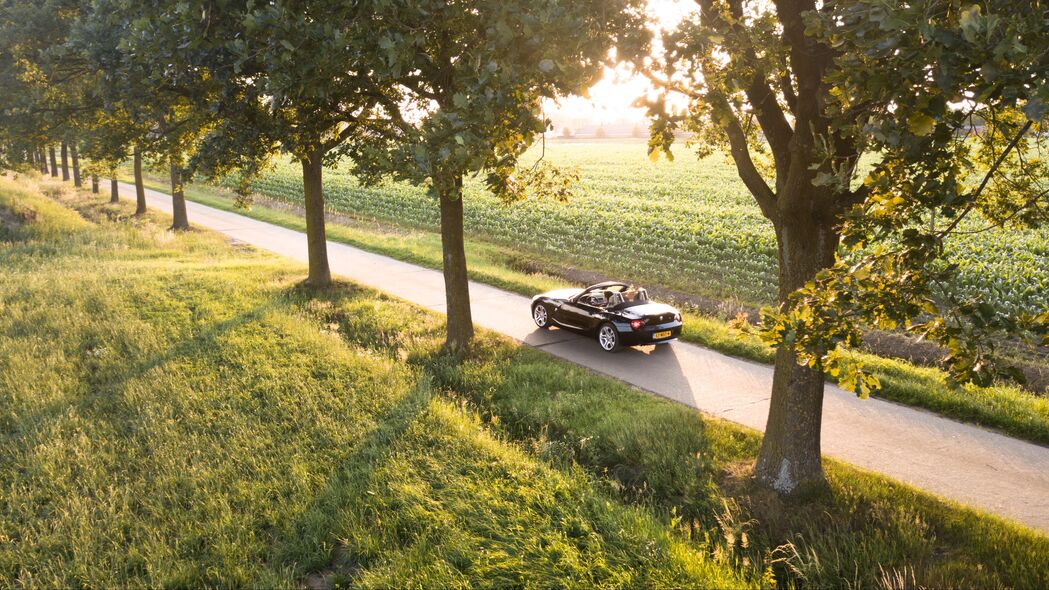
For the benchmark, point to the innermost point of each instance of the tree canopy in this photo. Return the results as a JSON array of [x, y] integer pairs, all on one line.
[[797, 92], [476, 74]]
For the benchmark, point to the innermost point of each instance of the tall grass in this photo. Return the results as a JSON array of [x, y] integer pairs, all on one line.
[[276, 435], [170, 416]]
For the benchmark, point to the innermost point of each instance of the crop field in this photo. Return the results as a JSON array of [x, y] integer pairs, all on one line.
[[687, 224]]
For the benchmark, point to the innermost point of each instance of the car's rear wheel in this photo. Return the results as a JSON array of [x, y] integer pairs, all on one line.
[[608, 337], [541, 316]]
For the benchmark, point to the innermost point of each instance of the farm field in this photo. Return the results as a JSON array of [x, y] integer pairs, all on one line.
[[687, 225]]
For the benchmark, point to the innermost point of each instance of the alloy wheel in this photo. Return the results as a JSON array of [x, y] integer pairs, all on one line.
[[540, 316]]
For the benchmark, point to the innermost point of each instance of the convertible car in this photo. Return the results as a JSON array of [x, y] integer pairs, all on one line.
[[616, 313]]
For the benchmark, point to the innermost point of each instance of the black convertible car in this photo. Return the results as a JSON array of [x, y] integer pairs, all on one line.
[[618, 314]]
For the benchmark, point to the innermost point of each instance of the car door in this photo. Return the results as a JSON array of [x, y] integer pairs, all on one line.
[[591, 316], [572, 314]]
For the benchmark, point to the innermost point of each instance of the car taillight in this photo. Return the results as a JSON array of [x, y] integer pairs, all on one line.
[[636, 324], [677, 317]]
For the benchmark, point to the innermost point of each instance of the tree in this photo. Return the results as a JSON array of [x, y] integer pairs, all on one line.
[[75, 156], [106, 149], [156, 88], [140, 187], [272, 101], [796, 92], [477, 72], [65, 162], [43, 82]]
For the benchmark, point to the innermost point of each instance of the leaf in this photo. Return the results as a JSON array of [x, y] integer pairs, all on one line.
[[970, 22], [1035, 109], [921, 124]]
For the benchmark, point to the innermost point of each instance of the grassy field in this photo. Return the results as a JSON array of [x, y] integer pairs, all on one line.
[[687, 224], [173, 414], [176, 411], [1011, 409]]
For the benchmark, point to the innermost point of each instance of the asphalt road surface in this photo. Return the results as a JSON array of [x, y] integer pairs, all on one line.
[[965, 463]]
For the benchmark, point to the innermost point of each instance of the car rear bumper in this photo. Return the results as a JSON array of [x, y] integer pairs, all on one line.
[[647, 334]]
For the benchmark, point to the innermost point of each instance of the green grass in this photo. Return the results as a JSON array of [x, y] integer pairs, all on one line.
[[1008, 408], [171, 416], [178, 412]]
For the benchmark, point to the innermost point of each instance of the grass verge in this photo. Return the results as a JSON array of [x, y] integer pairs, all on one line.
[[265, 434], [1007, 408], [171, 416]]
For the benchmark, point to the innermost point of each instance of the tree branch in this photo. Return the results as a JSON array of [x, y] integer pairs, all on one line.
[[770, 115], [987, 177], [740, 152]]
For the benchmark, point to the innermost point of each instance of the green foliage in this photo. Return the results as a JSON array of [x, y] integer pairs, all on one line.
[[305, 79], [946, 96], [46, 86], [152, 85], [962, 144], [477, 73]]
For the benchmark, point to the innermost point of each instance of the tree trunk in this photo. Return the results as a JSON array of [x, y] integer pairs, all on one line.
[[94, 183], [114, 191], [41, 161], [77, 182], [316, 238], [54, 163], [456, 281], [65, 162], [179, 217], [140, 187], [790, 460]]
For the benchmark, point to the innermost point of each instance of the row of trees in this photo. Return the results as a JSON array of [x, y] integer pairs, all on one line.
[[431, 91], [422, 91]]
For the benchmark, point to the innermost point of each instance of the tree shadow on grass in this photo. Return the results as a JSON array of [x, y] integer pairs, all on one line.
[[104, 399], [310, 537], [860, 530]]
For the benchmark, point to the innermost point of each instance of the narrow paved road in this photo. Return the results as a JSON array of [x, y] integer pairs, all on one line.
[[965, 463]]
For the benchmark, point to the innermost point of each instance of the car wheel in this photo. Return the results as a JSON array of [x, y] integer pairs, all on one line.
[[608, 337], [541, 315]]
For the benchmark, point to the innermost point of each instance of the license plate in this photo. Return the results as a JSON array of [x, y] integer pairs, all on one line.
[[664, 334]]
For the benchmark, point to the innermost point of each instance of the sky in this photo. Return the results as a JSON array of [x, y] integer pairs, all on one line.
[[612, 99]]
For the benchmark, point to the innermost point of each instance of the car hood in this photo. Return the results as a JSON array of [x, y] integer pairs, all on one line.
[[560, 294], [649, 309]]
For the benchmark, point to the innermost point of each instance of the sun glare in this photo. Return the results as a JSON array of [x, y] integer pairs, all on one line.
[[613, 101]]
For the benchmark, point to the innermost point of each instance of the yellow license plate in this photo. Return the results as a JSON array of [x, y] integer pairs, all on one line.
[[658, 335]]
